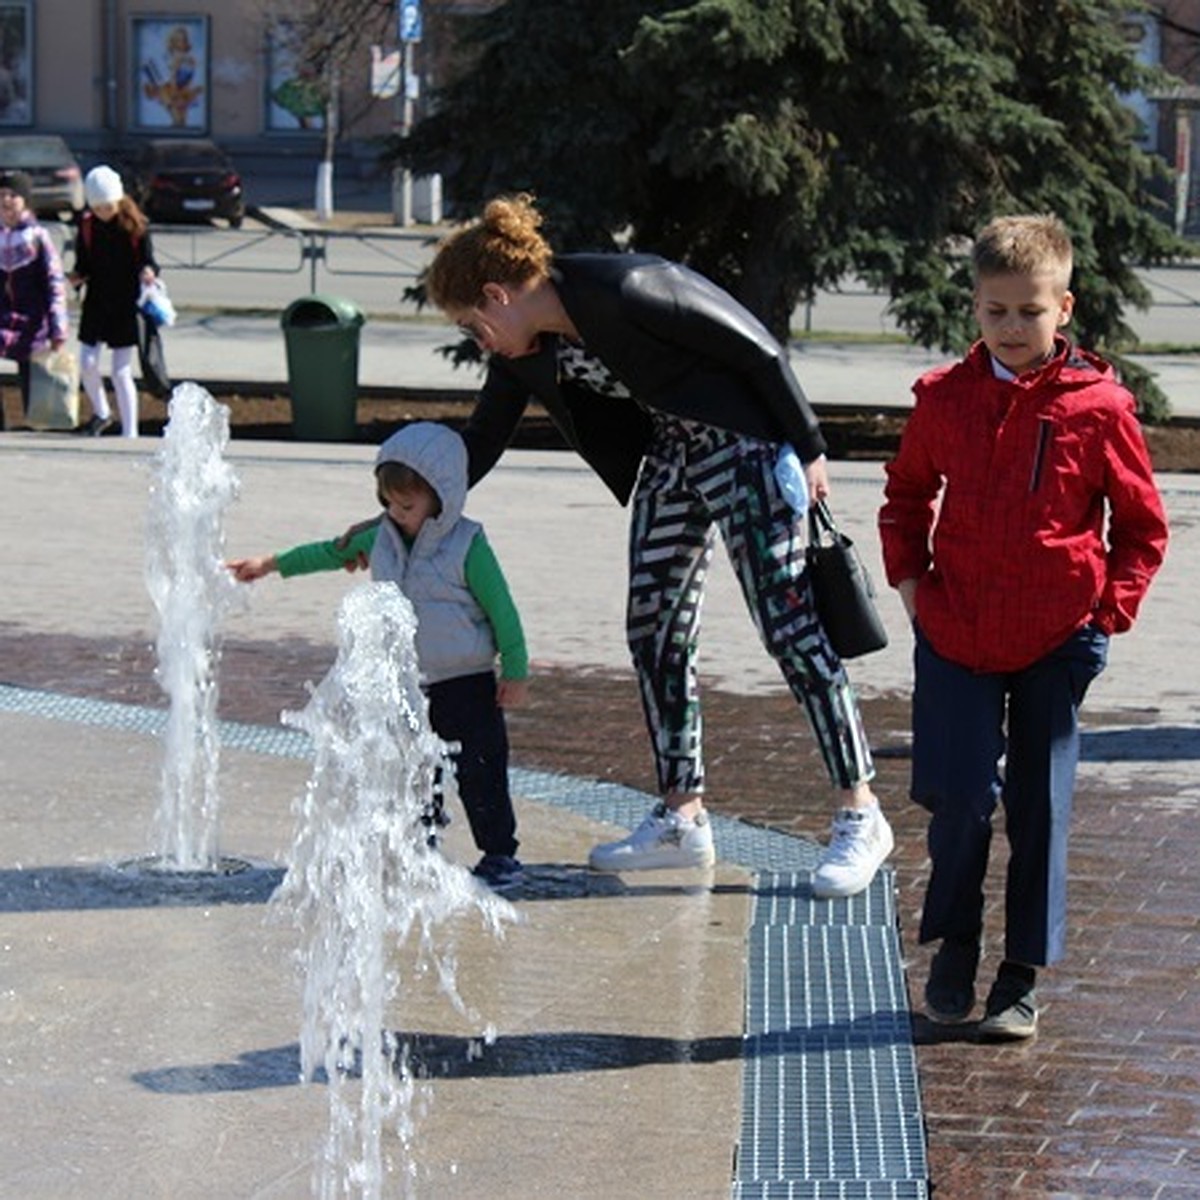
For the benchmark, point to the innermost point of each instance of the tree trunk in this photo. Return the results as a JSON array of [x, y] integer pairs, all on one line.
[[772, 285], [324, 194], [324, 197]]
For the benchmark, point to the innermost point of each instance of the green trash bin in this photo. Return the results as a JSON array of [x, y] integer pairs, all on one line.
[[322, 335]]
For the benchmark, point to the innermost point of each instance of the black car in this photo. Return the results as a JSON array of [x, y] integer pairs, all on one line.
[[186, 179], [48, 161]]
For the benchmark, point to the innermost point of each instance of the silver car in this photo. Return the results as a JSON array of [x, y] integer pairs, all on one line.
[[48, 161]]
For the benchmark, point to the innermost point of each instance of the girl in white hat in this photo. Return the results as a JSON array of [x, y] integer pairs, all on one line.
[[114, 258]]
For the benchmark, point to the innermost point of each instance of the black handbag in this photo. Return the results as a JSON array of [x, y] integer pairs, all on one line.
[[842, 589], [155, 378]]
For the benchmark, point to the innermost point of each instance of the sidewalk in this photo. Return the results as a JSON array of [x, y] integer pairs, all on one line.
[[148, 1041], [232, 349], [149, 1048]]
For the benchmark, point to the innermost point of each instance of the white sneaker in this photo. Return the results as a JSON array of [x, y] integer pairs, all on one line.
[[859, 842], [664, 839]]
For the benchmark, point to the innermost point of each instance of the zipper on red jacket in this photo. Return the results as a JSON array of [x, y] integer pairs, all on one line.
[[1045, 431]]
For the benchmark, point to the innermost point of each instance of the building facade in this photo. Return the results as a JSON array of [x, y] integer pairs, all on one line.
[[105, 73]]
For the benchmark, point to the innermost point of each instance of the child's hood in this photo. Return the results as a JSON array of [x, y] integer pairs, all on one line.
[[439, 455]]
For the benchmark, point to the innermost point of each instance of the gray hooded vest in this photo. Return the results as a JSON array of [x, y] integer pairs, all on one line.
[[454, 637]]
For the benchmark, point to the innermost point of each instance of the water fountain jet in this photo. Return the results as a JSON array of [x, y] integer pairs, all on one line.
[[364, 884], [191, 488]]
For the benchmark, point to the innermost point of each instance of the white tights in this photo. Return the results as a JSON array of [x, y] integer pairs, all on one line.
[[123, 385]]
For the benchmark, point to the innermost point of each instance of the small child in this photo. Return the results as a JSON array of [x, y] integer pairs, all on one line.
[[443, 563], [114, 259], [1049, 531], [33, 300]]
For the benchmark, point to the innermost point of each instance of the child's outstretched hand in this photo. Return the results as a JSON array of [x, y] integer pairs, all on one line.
[[512, 693], [246, 570]]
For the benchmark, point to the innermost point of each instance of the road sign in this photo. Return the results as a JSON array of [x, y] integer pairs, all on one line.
[[410, 20]]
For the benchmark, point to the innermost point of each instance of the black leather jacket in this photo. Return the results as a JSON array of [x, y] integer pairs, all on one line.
[[680, 345]]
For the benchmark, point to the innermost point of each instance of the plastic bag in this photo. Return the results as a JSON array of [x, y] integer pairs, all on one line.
[[789, 474], [53, 389], [155, 304]]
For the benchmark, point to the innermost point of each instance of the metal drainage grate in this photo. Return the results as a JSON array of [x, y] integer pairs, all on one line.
[[830, 1100]]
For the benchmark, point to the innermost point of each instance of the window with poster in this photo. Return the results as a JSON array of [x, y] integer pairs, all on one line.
[[170, 62], [295, 96], [16, 62]]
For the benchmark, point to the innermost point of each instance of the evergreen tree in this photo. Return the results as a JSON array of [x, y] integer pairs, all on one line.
[[782, 145]]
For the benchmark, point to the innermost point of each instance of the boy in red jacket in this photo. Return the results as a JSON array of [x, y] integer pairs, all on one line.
[[1047, 535]]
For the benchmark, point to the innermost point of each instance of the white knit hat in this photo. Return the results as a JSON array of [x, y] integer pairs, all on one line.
[[102, 185]]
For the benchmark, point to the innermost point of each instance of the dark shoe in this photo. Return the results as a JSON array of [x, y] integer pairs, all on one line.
[[498, 870], [1011, 1012], [950, 991], [96, 426]]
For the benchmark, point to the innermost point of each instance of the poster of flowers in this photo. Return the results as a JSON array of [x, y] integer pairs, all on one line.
[[170, 56]]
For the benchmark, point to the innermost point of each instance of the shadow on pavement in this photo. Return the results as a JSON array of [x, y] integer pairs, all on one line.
[[451, 1056], [1142, 743]]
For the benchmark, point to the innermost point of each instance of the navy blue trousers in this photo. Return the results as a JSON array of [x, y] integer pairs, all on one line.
[[464, 710], [964, 724]]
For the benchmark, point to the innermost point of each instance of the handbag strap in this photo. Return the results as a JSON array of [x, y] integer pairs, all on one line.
[[820, 522]]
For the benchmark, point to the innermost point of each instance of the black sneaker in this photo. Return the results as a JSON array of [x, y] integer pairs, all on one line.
[[950, 990], [96, 426], [1011, 1012], [498, 870]]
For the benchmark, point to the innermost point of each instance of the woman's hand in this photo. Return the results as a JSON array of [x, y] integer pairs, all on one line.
[[816, 474], [346, 538]]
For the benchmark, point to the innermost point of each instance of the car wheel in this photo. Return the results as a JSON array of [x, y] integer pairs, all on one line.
[[235, 222]]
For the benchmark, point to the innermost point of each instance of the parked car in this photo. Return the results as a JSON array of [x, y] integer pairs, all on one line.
[[47, 159], [186, 179]]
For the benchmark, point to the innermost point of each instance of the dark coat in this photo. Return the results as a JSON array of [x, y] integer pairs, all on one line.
[[110, 262], [680, 345]]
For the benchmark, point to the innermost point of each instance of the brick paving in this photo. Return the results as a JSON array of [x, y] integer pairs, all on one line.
[[1103, 1103]]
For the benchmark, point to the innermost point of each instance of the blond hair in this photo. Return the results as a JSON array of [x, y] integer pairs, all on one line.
[[502, 246], [1024, 245]]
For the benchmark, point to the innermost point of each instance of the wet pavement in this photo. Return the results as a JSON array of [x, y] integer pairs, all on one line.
[[151, 1049]]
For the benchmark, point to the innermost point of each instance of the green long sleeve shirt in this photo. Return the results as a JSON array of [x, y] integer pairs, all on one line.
[[485, 581]]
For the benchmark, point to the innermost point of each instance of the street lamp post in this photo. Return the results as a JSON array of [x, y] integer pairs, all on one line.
[[408, 15]]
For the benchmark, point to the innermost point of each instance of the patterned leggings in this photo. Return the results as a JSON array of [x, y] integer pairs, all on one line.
[[695, 480]]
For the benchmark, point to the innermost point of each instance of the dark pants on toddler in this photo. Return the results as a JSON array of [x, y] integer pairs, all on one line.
[[959, 739], [464, 710]]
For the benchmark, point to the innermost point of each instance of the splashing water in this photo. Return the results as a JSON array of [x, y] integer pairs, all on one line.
[[192, 591], [364, 882]]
